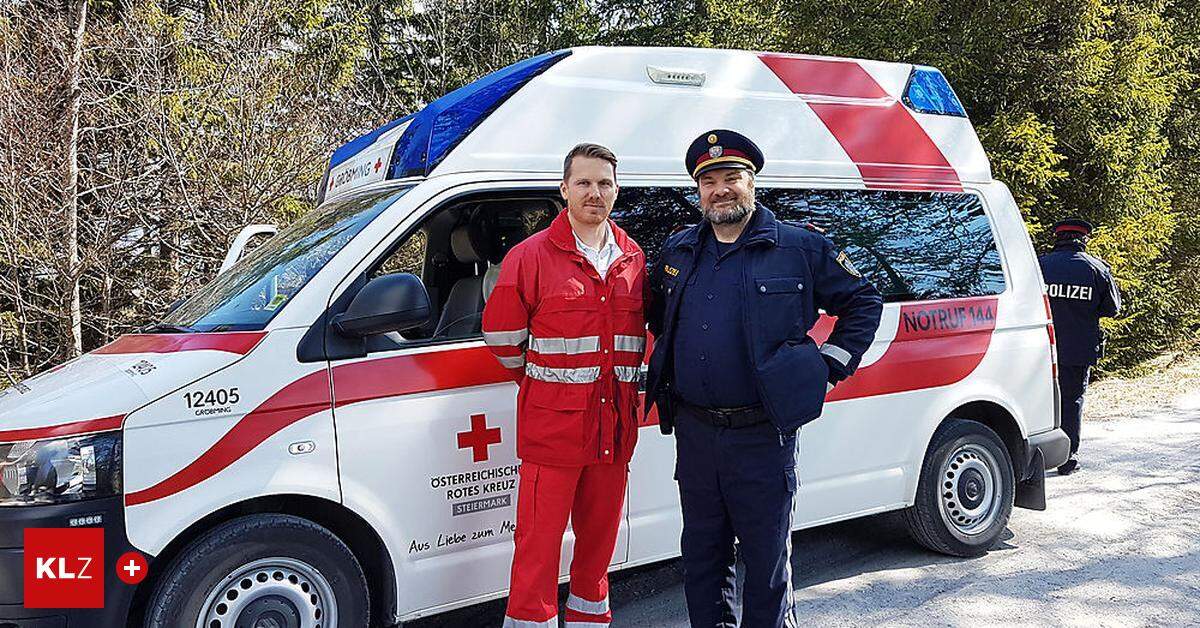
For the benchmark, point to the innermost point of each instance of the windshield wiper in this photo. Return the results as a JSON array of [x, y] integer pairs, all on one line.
[[165, 328]]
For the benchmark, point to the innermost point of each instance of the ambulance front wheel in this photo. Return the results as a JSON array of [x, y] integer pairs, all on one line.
[[965, 493], [262, 570]]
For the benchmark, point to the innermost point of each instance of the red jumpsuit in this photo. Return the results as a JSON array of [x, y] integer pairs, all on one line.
[[574, 343]]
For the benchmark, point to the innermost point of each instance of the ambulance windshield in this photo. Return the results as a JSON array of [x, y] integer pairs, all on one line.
[[260, 285]]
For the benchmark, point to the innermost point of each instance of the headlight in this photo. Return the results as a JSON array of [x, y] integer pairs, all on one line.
[[58, 470]]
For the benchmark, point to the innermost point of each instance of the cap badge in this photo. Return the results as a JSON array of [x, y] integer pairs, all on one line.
[[715, 151], [712, 138]]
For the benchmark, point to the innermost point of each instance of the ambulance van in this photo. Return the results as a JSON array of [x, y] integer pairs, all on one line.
[[319, 437]]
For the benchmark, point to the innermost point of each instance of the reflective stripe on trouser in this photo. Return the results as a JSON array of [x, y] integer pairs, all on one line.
[[736, 483], [585, 613], [591, 497], [577, 603], [509, 622]]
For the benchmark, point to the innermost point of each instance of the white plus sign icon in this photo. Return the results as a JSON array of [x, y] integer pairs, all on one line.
[[132, 567]]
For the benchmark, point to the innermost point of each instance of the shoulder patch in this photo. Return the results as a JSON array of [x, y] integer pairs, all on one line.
[[843, 260]]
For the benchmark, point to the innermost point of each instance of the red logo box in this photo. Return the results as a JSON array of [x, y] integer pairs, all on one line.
[[64, 568]]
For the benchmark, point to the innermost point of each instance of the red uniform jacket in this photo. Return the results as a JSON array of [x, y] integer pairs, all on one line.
[[574, 343]]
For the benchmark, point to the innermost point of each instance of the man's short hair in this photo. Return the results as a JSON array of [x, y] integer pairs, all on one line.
[[586, 149]]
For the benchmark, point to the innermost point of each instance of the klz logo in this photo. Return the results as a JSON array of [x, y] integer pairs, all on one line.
[[64, 568]]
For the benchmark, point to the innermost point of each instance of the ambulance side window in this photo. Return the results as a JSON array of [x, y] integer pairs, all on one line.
[[649, 215], [409, 258], [911, 245], [457, 251]]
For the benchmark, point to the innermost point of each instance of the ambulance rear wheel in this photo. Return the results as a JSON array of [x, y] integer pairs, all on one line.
[[965, 493], [262, 570]]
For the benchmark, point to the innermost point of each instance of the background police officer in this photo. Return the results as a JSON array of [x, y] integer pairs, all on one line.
[[735, 374], [1081, 290]]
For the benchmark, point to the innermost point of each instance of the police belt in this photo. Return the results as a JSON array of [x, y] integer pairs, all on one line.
[[734, 418]]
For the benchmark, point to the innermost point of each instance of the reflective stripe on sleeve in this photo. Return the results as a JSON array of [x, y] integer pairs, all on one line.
[[837, 353], [636, 344], [627, 373], [569, 346], [512, 338], [514, 362], [584, 375]]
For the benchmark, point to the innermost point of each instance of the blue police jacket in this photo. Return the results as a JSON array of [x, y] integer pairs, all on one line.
[[1081, 290], [789, 272]]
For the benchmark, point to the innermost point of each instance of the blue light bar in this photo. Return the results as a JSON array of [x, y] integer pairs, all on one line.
[[356, 145], [929, 92], [441, 125]]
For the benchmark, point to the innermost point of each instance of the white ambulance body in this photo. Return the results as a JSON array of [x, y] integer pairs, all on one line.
[[263, 453]]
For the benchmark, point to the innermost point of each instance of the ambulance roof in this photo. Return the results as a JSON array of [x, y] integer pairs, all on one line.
[[879, 124]]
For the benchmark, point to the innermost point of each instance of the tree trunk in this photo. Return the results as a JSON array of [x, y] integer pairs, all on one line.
[[71, 164]]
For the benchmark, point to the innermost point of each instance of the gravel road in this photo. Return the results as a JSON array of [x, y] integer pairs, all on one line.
[[1118, 546]]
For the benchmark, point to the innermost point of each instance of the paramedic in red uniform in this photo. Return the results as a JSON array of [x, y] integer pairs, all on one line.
[[566, 319]]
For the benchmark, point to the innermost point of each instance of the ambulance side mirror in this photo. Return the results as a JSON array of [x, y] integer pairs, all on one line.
[[394, 302]]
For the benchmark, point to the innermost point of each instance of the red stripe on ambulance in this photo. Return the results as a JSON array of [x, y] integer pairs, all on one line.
[[231, 342], [354, 382], [886, 143], [65, 429], [416, 373], [299, 399], [937, 344]]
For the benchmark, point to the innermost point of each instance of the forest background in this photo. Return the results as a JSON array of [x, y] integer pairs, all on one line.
[[138, 136]]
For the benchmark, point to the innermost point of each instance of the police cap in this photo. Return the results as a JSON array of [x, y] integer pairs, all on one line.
[[722, 148], [1072, 225]]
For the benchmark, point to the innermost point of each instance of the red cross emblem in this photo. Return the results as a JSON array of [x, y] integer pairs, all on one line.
[[479, 437], [378, 164]]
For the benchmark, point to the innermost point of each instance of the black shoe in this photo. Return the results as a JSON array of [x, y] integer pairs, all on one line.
[[1068, 467]]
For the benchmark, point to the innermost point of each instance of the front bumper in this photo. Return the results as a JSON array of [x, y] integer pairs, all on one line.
[[118, 596]]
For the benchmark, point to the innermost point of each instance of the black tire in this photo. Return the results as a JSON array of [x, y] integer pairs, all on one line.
[[940, 518], [283, 558]]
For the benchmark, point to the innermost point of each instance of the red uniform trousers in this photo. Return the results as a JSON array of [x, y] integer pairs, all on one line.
[[592, 497]]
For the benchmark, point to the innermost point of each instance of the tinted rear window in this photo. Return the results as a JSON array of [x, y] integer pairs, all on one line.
[[912, 245]]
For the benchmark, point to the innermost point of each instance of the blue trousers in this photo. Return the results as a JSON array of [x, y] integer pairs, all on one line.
[[736, 483], [1072, 384]]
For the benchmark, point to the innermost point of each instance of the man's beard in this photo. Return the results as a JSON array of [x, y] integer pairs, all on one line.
[[732, 216]]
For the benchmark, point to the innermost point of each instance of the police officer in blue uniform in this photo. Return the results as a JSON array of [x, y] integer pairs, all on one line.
[[735, 374], [1081, 290]]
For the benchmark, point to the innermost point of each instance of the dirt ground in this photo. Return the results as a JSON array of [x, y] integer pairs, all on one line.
[[1118, 546]]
